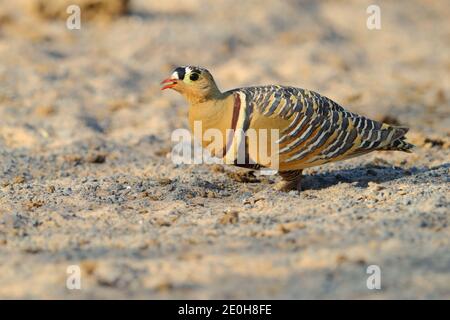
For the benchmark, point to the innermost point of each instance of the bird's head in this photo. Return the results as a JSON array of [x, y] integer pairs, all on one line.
[[195, 83]]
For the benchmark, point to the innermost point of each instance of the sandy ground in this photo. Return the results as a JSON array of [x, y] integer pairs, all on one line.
[[85, 176]]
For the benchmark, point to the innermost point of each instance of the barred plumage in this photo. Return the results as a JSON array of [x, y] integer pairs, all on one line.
[[320, 130], [312, 128]]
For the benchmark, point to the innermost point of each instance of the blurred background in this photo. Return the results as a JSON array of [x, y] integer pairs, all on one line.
[[105, 76], [82, 118]]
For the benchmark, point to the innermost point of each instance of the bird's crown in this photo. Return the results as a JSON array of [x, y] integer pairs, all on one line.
[[191, 73]]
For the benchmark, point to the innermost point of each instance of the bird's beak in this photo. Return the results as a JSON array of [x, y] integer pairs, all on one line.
[[170, 83]]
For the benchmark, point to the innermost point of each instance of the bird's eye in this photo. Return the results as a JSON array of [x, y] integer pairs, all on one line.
[[194, 76]]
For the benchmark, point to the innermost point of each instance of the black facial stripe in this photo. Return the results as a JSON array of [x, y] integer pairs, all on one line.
[[181, 72]]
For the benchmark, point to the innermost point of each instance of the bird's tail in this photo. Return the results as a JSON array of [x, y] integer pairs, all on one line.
[[398, 142]]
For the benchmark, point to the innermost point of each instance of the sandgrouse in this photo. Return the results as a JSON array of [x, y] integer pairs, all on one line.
[[311, 129]]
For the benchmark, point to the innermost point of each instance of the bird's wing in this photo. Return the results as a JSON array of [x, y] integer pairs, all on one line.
[[317, 130]]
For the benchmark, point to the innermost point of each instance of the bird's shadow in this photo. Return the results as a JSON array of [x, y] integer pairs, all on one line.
[[361, 176]]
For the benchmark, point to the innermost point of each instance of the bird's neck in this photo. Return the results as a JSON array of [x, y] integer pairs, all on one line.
[[196, 97], [208, 109], [212, 113]]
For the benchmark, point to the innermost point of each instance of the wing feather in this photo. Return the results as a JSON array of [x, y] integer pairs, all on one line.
[[318, 129]]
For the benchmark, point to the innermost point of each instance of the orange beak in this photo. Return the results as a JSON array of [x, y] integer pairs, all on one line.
[[170, 83]]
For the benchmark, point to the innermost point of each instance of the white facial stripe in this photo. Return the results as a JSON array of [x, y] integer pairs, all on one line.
[[174, 75]]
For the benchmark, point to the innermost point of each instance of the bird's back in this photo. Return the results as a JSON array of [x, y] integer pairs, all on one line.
[[314, 129]]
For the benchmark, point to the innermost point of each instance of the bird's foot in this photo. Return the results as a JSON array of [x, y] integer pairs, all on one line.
[[291, 181], [286, 186]]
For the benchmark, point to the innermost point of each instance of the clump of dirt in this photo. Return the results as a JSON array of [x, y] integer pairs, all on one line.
[[91, 157], [389, 119], [230, 217], [90, 9], [244, 176]]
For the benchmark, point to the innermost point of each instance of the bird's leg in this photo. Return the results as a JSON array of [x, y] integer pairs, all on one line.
[[291, 181], [248, 164]]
